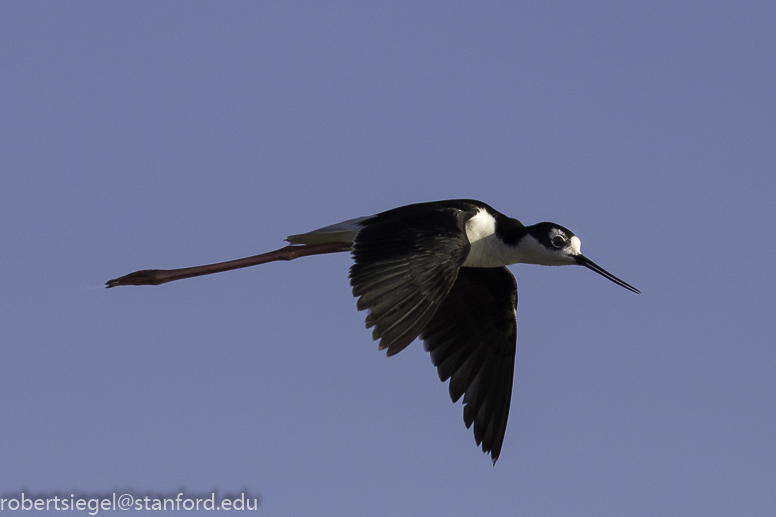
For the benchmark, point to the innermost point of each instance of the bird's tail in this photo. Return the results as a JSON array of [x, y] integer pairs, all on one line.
[[341, 232]]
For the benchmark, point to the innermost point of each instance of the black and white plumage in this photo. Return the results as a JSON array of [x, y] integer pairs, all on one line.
[[435, 271]]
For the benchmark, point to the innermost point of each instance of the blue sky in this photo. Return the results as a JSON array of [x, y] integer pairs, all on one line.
[[161, 135]]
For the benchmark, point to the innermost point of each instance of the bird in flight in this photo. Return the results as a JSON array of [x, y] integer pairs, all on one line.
[[434, 271]]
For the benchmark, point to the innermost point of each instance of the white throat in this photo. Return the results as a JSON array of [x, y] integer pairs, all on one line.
[[531, 251]]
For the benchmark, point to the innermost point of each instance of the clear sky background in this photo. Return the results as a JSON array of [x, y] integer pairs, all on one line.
[[160, 135]]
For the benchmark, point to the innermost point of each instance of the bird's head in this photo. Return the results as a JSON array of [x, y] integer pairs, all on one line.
[[551, 244]]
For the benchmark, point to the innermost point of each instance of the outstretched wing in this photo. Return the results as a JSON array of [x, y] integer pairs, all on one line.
[[472, 338], [406, 261]]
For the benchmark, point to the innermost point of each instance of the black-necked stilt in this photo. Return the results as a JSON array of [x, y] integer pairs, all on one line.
[[435, 271]]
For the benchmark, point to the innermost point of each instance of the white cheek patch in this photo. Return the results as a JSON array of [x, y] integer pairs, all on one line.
[[576, 245]]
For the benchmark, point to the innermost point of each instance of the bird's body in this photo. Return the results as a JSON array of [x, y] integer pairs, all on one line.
[[436, 271], [492, 237]]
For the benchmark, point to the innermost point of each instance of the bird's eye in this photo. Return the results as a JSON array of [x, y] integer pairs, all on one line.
[[558, 241]]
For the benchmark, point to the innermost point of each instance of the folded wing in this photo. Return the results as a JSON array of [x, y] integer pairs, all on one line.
[[406, 261]]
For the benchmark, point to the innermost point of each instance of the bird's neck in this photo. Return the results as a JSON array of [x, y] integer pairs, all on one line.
[[493, 251], [496, 240]]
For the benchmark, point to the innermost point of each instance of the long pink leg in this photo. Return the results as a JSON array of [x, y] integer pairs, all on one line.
[[161, 276]]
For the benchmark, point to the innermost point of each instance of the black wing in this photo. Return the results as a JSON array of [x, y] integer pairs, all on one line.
[[406, 261], [472, 338]]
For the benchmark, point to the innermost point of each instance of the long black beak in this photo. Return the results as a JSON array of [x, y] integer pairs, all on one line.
[[584, 261]]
